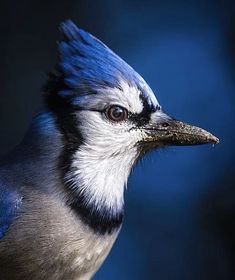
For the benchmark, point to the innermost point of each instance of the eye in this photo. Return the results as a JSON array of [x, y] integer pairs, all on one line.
[[116, 113]]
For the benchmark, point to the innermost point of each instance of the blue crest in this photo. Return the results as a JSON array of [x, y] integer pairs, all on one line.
[[86, 62], [87, 65]]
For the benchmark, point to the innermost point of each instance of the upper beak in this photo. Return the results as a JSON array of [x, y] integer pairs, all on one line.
[[173, 132]]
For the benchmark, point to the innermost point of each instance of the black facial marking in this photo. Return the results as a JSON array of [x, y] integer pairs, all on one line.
[[144, 117], [100, 221], [63, 110]]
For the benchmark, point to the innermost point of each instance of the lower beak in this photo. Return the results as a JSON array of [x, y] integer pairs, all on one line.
[[173, 132]]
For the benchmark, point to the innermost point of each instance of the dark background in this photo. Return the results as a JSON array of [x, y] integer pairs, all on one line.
[[180, 212]]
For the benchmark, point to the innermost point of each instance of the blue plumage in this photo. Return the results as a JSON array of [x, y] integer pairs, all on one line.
[[87, 65], [87, 62], [62, 188], [10, 202]]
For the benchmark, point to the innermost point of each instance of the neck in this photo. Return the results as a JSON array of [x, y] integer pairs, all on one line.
[[92, 186], [98, 185], [55, 163], [95, 186]]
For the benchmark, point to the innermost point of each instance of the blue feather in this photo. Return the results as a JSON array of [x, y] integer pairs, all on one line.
[[87, 65], [86, 61], [10, 202]]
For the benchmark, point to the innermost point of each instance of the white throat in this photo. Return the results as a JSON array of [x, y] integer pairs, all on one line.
[[101, 179]]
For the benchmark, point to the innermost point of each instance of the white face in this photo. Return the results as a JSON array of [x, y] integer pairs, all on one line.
[[104, 160], [107, 137]]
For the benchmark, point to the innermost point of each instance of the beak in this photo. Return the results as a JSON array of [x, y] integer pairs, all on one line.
[[169, 131]]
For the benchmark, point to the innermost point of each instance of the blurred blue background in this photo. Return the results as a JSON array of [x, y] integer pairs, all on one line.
[[180, 202]]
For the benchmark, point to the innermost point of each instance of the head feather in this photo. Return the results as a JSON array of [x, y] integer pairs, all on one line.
[[86, 65], [86, 62]]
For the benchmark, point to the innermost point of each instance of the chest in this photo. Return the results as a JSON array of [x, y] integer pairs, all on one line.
[[89, 251], [89, 254], [50, 242]]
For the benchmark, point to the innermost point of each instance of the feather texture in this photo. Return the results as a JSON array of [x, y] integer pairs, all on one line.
[[10, 202]]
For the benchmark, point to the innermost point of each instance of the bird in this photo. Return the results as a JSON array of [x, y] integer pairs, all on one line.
[[62, 188]]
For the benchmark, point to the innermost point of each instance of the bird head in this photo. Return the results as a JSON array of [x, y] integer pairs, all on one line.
[[107, 113]]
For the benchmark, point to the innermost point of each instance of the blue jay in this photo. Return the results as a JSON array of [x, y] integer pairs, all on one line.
[[62, 188]]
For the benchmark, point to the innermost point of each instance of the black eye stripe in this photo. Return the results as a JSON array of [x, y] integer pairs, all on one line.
[[148, 104], [140, 119], [144, 117]]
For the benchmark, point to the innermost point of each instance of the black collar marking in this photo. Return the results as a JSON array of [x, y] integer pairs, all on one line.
[[100, 221]]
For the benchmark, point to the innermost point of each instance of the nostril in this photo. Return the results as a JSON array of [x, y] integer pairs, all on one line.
[[165, 124]]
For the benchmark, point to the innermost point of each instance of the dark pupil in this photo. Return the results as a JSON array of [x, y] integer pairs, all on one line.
[[117, 113]]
